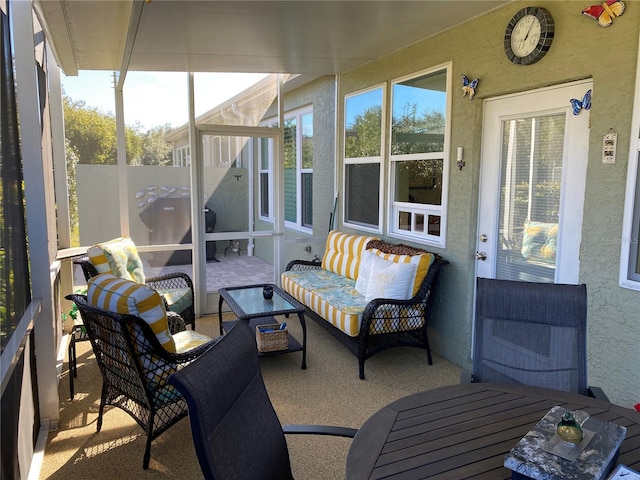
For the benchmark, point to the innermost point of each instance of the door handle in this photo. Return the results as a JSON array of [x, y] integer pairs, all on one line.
[[481, 256]]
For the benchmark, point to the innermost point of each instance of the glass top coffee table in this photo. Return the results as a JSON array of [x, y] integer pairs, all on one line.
[[248, 303]]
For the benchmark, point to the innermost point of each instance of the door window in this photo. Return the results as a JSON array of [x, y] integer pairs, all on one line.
[[530, 182]]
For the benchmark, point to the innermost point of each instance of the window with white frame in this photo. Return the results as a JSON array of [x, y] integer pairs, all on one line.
[[298, 171], [265, 163], [418, 166], [363, 116], [182, 158], [630, 254]]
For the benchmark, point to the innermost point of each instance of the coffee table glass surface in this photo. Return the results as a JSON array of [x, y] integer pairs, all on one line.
[[248, 303]]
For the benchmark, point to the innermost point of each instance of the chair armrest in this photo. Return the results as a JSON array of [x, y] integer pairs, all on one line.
[[320, 430], [88, 269], [598, 393], [176, 322], [170, 281], [304, 265]]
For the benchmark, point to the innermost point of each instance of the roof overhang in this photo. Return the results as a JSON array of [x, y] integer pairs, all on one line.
[[305, 37]]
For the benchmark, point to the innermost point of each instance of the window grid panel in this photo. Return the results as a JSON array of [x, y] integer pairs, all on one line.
[[363, 143], [418, 130]]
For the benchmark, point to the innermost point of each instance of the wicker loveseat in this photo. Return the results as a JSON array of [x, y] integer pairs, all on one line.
[[370, 294]]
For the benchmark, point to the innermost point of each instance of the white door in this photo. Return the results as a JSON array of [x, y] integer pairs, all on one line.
[[242, 208], [532, 183]]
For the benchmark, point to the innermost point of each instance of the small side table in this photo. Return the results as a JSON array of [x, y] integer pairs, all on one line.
[[248, 303], [78, 334]]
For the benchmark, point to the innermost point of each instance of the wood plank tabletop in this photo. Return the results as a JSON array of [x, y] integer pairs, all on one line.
[[464, 431]]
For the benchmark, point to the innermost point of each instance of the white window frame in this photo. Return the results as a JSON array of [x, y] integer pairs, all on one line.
[[297, 114], [630, 238], [269, 172], [395, 208], [182, 158], [364, 161]]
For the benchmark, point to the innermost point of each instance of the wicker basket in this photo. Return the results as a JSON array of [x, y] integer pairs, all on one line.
[[272, 340]]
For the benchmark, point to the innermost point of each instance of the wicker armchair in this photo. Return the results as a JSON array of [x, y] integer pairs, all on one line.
[[135, 369], [162, 284], [415, 311]]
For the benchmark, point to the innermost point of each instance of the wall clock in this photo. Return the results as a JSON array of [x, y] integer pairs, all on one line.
[[528, 36]]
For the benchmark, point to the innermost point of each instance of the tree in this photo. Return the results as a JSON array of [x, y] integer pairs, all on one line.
[[362, 138], [155, 149], [90, 133], [72, 161], [91, 140]]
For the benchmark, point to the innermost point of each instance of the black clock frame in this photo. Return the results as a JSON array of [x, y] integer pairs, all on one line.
[[547, 29]]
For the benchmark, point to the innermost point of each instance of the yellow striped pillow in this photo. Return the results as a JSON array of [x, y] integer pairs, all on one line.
[[115, 294], [342, 253], [118, 256], [423, 261]]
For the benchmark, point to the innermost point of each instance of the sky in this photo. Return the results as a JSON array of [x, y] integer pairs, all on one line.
[[156, 98]]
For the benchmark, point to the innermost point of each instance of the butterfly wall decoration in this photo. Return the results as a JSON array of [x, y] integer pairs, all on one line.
[[605, 12], [578, 105], [469, 86]]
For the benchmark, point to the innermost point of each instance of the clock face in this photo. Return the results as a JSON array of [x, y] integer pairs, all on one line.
[[525, 36], [529, 35]]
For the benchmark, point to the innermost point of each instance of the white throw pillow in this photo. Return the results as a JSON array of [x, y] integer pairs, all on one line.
[[390, 280], [364, 269]]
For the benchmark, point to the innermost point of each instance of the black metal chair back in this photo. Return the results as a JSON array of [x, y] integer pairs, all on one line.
[[531, 333], [236, 431]]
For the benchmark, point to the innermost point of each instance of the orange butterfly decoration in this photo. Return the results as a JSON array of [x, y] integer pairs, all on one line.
[[606, 12]]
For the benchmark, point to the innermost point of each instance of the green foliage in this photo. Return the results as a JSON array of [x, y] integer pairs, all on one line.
[[91, 140], [91, 136], [362, 139], [155, 149], [90, 132], [413, 134], [72, 161]]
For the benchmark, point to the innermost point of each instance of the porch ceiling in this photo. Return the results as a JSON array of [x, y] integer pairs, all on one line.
[[305, 37]]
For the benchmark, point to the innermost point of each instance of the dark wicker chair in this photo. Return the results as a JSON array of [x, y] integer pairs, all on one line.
[[135, 369], [533, 334], [236, 431], [415, 311], [170, 281]]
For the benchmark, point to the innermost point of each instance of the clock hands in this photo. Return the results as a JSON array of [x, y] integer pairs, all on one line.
[[528, 31]]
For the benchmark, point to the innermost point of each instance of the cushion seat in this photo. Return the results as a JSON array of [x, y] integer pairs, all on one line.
[[330, 295], [177, 299], [189, 339], [341, 306]]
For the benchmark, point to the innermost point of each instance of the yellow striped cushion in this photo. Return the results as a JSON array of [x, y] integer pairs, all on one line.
[[293, 288], [346, 319], [118, 256], [108, 292], [342, 253], [423, 262]]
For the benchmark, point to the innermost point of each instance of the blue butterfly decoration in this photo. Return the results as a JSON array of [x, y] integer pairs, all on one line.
[[578, 105], [469, 86]]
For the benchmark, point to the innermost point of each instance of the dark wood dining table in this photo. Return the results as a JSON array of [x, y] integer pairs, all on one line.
[[464, 431]]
